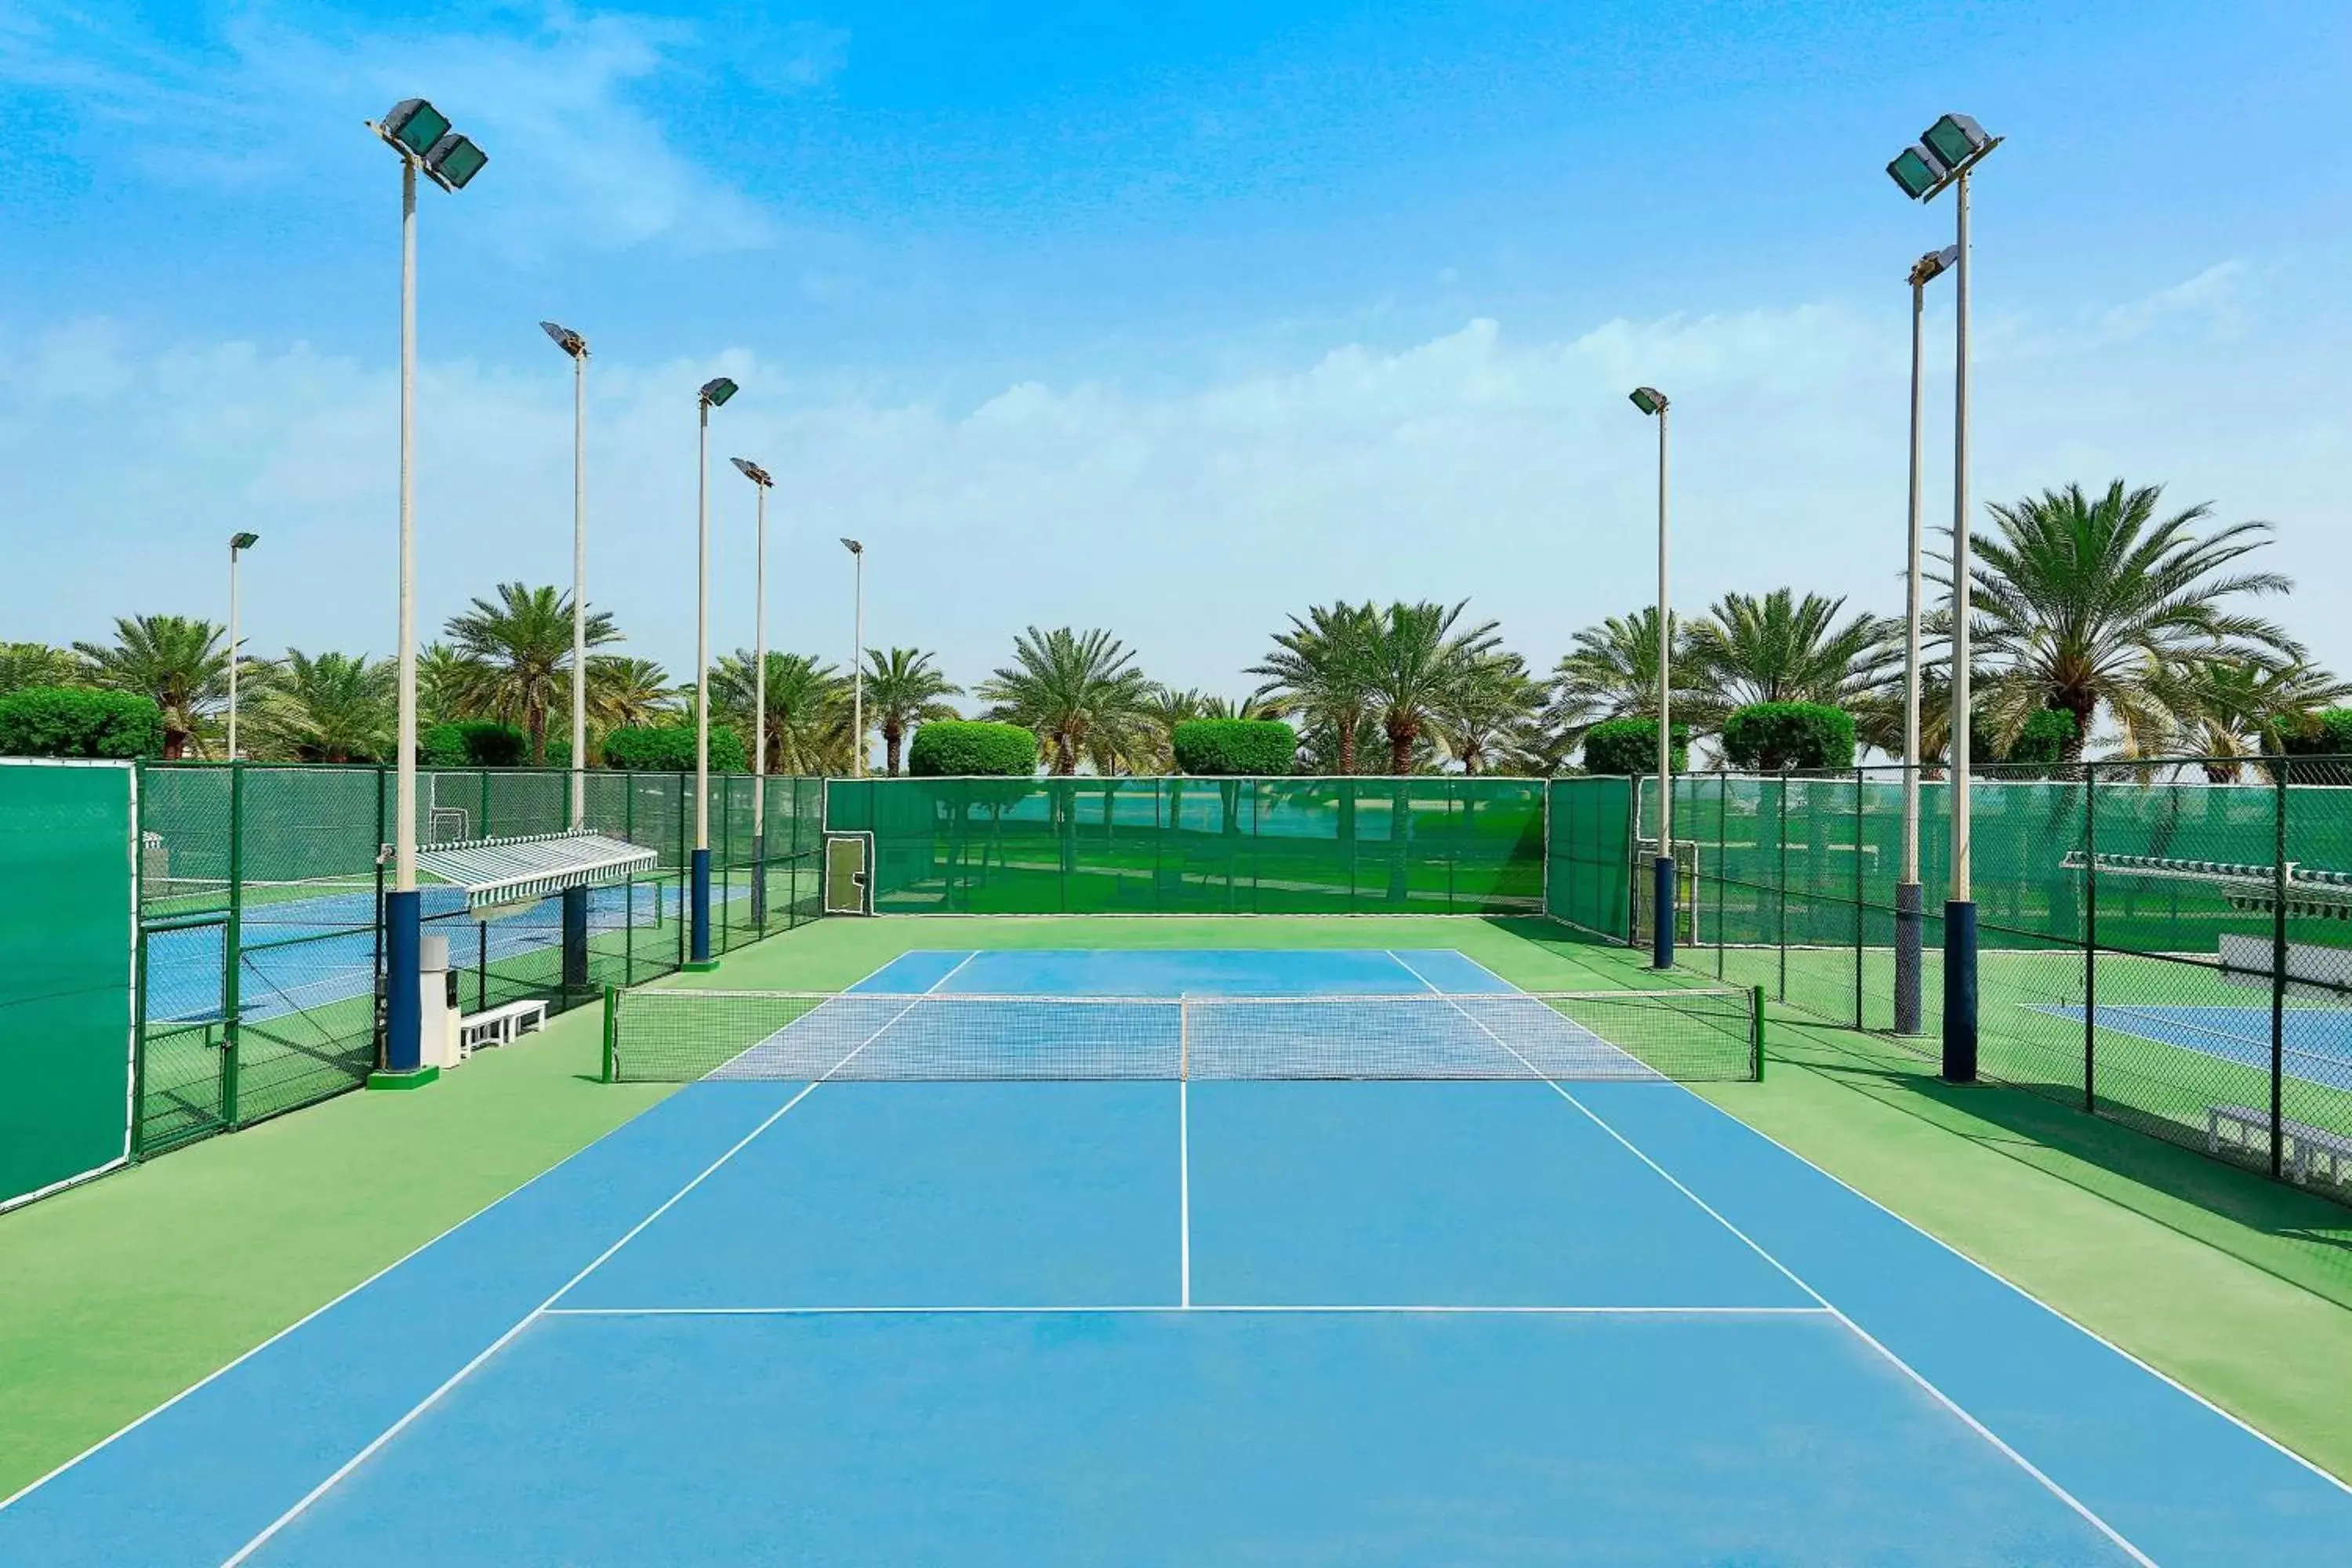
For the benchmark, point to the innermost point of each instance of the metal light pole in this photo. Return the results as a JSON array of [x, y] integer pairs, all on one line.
[[714, 394], [1651, 401], [421, 134], [573, 344], [759, 477], [1948, 152], [238, 545], [1908, 901], [857, 660]]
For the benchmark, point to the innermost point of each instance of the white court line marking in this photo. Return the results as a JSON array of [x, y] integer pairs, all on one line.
[[1989, 1272], [1373, 1310], [2049, 1483], [714, 1074], [1185, 1190], [375, 1444], [1645, 1071]]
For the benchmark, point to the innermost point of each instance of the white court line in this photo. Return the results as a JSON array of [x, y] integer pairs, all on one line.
[[1647, 1072], [375, 1444], [1185, 1190], [839, 996], [1356, 1309], [2048, 1482]]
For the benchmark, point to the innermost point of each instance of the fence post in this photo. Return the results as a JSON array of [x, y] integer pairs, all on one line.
[[481, 966], [612, 1033], [1722, 844], [1858, 893], [1782, 881], [2091, 937], [2278, 969], [381, 843], [233, 948]]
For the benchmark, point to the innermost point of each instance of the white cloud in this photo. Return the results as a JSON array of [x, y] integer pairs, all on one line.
[[1189, 522]]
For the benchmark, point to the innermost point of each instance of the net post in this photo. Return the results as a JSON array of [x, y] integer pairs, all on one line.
[[1756, 1029], [612, 1033]]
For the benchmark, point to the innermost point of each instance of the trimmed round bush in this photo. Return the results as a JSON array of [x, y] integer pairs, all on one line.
[[1246, 746], [1766, 737], [474, 744], [1630, 747], [73, 721], [669, 749], [2327, 735], [953, 748]]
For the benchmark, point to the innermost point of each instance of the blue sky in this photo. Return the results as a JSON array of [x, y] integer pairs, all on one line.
[[1171, 323]]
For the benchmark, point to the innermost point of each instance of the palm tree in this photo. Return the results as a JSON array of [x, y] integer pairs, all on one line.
[[904, 689], [1611, 671], [180, 662], [1076, 691], [522, 645], [1779, 649], [627, 693], [24, 664], [2243, 708], [2100, 603], [1485, 713], [808, 710], [335, 708], [1164, 707], [1318, 674], [1413, 659], [446, 683]]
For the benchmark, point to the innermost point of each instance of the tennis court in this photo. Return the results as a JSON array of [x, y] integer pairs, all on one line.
[[1460, 1280]]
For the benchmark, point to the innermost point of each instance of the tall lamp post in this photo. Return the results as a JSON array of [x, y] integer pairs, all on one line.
[[422, 135], [713, 394], [576, 346], [1651, 401], [1908, 903], [857, 657], [238, 543], [761, 478], [1947, 152]]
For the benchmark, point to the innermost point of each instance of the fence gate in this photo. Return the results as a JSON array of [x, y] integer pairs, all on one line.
[[847, 857]]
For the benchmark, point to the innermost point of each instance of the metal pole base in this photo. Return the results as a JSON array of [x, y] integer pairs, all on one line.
[[1662, 913], [760, 880], [698, 948], [576, 940], [1960, 993], [1907, 932], [404, 1002]]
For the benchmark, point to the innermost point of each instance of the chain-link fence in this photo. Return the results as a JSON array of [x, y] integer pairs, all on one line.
[[1423, 844], [261, 894], [2166, 944]]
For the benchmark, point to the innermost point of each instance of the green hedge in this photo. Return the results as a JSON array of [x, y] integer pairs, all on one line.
[[475, 743], [72, 721], [1766, 737], [2327, 735], [669, 749], [1630, 747], [952, 748], [1248, 746]]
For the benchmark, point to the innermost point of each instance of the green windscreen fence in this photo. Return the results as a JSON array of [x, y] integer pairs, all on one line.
[[1424, 843], [1588, 850], [66, 935]]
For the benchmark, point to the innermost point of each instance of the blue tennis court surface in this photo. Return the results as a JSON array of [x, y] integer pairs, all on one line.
[[1157, 1322], [2316, 1042]]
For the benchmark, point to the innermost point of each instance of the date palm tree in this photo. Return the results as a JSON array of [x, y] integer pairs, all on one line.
[[2243, 708], [522, 646], [1779, 649], [447, 684], [1413, 660], [1484, 717], [904, 689], [334, 708], [1076, 691], [808, 710], [1164, 707], [179, 661], [1318, 674], [629, 693], [2098, 603], [24, 664], [1611, 671]]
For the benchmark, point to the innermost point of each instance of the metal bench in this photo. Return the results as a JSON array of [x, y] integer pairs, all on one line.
[[500, 1026], [2303, 1148]]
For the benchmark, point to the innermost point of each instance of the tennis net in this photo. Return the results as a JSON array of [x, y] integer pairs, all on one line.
[[679, 1036]]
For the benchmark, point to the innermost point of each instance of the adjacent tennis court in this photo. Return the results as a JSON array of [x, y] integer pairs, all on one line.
[[1448, 1272]]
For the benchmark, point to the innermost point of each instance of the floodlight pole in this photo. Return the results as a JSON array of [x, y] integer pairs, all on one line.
[[702, 872], [857, 657], [1661, 935], [403, 934], [759, 708], [580, 587], [1959, 907], [236, 546], [1908, 900]]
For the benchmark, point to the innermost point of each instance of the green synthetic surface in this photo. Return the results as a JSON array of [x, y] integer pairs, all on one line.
[[124, 1292]]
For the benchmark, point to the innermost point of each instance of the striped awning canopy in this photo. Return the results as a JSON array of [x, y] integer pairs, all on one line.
[[511, 870]]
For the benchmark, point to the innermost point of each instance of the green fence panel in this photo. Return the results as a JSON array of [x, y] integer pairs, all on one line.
[[1588, 852], [65, 955]]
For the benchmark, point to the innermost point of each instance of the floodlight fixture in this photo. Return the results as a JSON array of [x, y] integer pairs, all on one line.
[[1649, 399], [1945, 150], [567, 340], [717, 391], [243, 540], [414, 126], [853, 547], [453, 161], [1934, 265], [1956, 139], [752, 471]]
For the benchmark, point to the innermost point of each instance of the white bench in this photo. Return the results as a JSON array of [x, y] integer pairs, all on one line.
[[500, 1026], [2302, 1147]]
